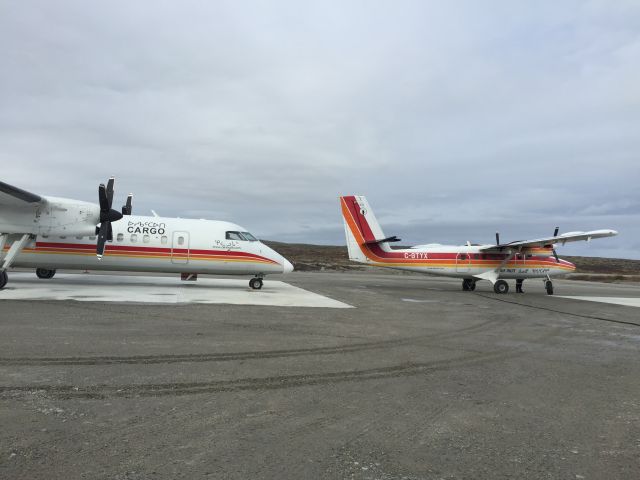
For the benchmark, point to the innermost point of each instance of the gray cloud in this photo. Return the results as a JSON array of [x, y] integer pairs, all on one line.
[[454, 119]]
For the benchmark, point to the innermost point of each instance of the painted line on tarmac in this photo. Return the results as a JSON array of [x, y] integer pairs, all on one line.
[[625, 301]]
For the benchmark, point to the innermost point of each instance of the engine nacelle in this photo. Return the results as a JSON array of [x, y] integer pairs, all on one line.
[[54, 216]]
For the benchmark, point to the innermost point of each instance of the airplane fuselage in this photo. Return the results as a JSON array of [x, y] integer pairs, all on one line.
[[467, 262], [158, 244]]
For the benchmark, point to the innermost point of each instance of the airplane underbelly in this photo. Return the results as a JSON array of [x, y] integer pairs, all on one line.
[[112, 261]]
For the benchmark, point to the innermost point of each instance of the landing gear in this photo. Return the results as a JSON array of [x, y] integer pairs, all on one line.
[[519, 283], [468, 285], [4, 278], [501, 287], [255, 283], [44, 273], [548, 285]]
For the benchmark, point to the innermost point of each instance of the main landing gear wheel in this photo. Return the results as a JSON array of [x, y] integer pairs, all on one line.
[[4, 278], [44, 273], [255, 283], [519, 286], [501, 287], [548, 285], [468, 285]]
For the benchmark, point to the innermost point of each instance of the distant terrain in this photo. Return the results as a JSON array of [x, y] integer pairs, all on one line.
[[306, 257]]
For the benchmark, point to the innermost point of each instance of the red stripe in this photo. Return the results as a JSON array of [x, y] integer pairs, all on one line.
[[131, 249]]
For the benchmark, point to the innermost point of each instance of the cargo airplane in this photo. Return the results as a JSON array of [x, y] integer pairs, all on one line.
[[519, 260], [47, 233]]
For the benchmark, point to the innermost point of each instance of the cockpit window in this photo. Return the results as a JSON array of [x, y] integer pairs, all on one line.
[[246, 236], [234, 236]]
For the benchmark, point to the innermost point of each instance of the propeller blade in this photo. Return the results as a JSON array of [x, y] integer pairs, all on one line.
[[497, 238], [102, 197], [126, 208], [556, 255], [103, 236], [110, 191], [555, 232]]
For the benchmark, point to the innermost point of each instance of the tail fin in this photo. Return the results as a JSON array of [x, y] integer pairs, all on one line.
[[361, 227]]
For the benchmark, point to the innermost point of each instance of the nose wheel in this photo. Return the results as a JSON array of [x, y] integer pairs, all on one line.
[[255, 283]]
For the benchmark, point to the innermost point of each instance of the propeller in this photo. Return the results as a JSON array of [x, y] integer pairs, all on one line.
[[107, 215], [126, 208], [498, 238], [555, 234]]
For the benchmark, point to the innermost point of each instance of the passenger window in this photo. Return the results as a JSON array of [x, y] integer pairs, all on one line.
[[120, 237], [145, 239], [63, 237], [92, 238], [463, 257], [134, 238], [180, 240], [163, 240], [79, 238], [233, 236]]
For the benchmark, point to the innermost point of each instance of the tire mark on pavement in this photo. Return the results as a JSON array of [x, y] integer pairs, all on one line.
[[102, 391], [224, 357], [549, 309]]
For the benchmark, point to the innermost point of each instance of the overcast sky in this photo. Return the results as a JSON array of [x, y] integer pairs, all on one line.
[[454, 118]]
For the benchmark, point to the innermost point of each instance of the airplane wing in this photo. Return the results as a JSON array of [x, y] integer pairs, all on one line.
[[11, 196], [550, 241]]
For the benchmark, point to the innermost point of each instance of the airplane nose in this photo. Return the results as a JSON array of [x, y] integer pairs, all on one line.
[[287, 266]]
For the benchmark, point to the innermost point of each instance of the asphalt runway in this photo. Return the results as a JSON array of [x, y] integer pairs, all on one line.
[[419, 381]]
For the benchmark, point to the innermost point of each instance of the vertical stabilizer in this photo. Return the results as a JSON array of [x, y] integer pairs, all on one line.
[[361, 227]]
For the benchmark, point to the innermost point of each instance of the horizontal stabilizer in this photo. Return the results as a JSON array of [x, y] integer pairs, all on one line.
[[384, 240]]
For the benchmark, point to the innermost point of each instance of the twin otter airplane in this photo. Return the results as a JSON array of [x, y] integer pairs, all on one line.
[[497, 263], [47, 233]]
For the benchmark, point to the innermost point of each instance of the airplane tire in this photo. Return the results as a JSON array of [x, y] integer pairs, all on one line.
[[466, 285], [44, 273], [501, 287], [255, 283], [4, 278], [472, 285], [548, 285]]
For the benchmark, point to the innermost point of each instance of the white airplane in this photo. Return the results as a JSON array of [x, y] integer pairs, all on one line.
[[519, 260], [47, 233]]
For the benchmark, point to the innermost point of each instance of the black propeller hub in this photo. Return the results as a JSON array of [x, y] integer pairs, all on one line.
[[110, 215]]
